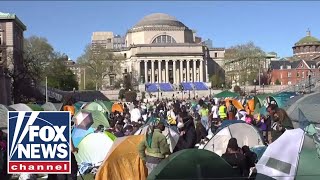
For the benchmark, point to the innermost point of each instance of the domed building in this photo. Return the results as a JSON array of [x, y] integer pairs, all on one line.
[[307, 48], [162, 49]]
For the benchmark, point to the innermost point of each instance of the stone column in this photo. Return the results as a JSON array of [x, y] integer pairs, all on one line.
[[138, 71], [167, 71], [188, 70], [181, 70], [145, 71], [174, 71], [152, 71], [207, 73], [195, 70], [201, 70], [159, 71]]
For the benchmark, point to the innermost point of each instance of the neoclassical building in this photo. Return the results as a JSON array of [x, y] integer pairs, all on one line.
[[307, 48], [161, 49]]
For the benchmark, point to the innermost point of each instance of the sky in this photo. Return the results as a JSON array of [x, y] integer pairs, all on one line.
[[273, 26]]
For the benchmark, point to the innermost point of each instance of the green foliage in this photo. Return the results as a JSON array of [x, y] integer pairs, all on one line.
[[216, 80], [277, 82], [99, 62], [60, 77]]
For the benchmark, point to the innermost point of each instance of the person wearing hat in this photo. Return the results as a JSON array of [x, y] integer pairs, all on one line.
[[235, 157], [155, 146]]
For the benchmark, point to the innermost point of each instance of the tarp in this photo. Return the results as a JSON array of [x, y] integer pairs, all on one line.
[[226, 94], [171, 135], [4, 117], [235, 102], [194, 164], [243, 132], [48, 106], [20, 107], [123, 161], [93, 148], [35, 107]]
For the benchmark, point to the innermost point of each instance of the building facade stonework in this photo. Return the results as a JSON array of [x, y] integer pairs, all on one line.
[[159, 48], [11, 52]]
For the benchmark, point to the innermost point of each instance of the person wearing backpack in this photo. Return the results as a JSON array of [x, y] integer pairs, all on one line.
[[231, 111]]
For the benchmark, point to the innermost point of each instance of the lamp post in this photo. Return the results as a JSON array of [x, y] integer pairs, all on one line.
[[309, 76], [255, 87], [263, 88]]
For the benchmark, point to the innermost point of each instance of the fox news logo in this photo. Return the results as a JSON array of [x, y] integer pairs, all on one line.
[[39, 142]]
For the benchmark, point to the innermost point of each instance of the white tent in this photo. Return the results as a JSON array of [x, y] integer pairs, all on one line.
[[48, 106], [21, 107], [244, 133], [93, 148], [171, 135], [280, 160], [4, 117]]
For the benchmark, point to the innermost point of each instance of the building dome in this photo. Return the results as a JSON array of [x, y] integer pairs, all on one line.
[[159, 19], [308, 40]]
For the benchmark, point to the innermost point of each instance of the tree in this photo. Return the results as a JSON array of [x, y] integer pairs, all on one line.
[[59, 76], [244, 61], [216, 80], [277, 82], [98, 62]]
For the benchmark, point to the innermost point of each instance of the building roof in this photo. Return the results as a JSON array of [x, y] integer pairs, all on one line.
[[8, 16], [277, 64], [159, 19], [308, 40]]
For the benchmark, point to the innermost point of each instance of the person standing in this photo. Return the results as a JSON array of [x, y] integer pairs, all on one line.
[[204, 114], [231, 111], [155, 147], [223, 111]]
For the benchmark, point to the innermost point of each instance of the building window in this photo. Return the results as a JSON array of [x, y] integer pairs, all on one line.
[[111, 80], [288, 67], [289, 74], [281, 67], [280, 75], [302, 74], [215, 54], [125, 55], [111, 68], [164, 39], [289, 82], [125, 70], [108, 40], [298, 74]]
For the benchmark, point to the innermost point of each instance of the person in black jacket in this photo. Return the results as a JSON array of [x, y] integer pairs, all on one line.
[[187, 130]]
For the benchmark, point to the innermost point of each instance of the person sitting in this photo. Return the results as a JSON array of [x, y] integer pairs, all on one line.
[[235, 158]]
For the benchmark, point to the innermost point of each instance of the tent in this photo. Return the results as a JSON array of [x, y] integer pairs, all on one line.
[[98, 118], [235, 102], [226, 94], [293, 156], [282, 98], [171, 135], [35, 107], [243, 132], [117, 107], [194, 164], [4, 117], [48, 106], [20, 107], [78, 134], [78, 105], [71, 109], [95, 106], [250, 107], [93, 148], [123, 161]]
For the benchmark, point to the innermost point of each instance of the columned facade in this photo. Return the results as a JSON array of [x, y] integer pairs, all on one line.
[[174, 71]]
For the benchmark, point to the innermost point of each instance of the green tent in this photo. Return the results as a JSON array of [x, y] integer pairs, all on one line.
[[226, 94], [282, 98], [77, 105], [95, 106], [194, 164], [99, 119], [35, 107], [108, 105]]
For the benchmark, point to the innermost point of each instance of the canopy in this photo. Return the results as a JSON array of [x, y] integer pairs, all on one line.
[[35, 107], [93, 148], [48, 106], [4, 117], [123, 161], [235, 102], [243, 132], [290, 157], [171, 135], [117, 107], [226, 94], [20, 107], [194, 164]]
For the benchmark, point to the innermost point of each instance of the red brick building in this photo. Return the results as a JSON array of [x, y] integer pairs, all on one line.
[[291, 72]]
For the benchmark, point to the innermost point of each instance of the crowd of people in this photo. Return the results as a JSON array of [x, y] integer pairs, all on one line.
[[193, 119]]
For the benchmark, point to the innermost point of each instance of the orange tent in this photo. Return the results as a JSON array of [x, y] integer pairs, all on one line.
[[69, 108], [250, 106], [123, 161], [117, 107], [235, 102]]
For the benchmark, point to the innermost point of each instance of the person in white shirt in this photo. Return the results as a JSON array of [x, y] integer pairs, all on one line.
[[214, 111], [241, 115], [135, 114]]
